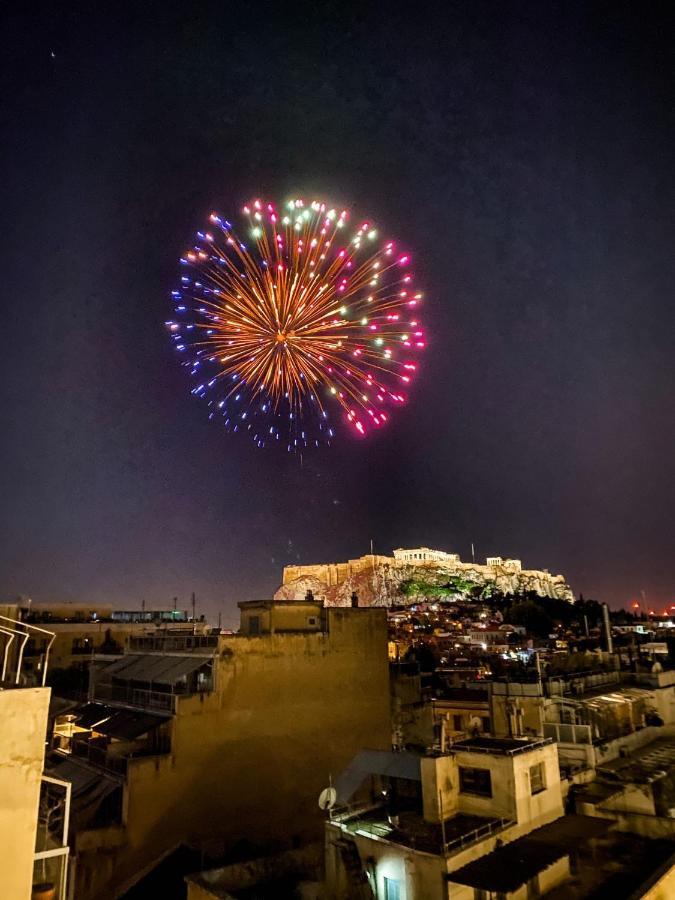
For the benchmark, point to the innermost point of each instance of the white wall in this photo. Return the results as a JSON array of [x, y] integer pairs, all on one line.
[[23, 727]]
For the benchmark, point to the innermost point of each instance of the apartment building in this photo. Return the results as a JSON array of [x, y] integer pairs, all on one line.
[[211, 740]]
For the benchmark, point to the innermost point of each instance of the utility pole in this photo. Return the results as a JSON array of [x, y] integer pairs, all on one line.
[[608, 628], [473, 554], [194, 621]]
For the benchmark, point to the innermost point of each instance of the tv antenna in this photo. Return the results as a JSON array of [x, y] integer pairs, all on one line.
[[328, 797]]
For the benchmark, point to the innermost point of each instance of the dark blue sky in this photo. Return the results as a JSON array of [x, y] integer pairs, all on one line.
[[523, 150]]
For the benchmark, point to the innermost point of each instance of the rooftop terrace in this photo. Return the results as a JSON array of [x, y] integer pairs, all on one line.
[[653, 762], [502, 746], [410, 829]]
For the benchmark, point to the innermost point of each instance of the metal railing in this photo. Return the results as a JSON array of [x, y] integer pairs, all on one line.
[[478, 834], [171, 643], [568, 733], [12, 631], [132, 696], [528, 744]]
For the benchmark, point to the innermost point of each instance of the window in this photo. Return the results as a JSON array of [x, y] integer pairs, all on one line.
[[254, 625], [392, 889], [312, 621], [475, 781], [457, 723], [537, 779]]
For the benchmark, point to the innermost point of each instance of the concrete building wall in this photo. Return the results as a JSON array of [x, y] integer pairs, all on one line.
[[89, 635], [249, 760], [510, 777], [277, 617], [664, 888], [23, 725], [516, 710]]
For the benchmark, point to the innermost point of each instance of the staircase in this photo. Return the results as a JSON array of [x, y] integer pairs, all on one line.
[[359, 885]]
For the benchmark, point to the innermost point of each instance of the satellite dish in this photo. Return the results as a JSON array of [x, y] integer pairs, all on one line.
[[327, 798]]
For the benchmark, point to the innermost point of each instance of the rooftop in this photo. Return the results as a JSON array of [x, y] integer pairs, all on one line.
[[616, 865], [653, 762], [512, 865], [503, 746], [413, 831]]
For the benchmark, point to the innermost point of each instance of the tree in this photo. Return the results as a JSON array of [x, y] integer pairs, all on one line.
[[531, 616]]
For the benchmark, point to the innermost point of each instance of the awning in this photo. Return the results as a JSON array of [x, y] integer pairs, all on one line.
[[376, 762], [90, 787], [91, 714], [123, 724], [87, 783], [156, 668]]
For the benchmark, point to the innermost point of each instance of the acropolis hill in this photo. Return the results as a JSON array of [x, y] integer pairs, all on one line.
[[379, 580]]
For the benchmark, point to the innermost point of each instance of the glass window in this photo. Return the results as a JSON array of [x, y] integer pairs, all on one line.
[[254, 625], [475, 781], [392, 889], [537, 779]]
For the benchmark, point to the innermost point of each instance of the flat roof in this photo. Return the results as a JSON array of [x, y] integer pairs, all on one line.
[[123, 724], [412, 829], [651, 763], [507, 746], [507, 868]]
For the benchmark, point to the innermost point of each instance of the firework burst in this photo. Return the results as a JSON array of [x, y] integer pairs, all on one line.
[[299, 319]]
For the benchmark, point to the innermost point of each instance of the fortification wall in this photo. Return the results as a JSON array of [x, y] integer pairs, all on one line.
[[377, 580]]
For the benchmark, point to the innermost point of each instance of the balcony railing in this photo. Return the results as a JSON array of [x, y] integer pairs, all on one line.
[[172, 643], [132, 696], [12, 655], [478, 834]]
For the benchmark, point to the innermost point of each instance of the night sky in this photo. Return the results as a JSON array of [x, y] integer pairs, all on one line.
[[523, 151]]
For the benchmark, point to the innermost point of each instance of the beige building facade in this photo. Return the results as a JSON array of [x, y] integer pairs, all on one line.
[[233, 737], [450, 809]]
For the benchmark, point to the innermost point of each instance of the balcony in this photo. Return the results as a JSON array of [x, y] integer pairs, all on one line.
[[133, 696], [174, 643]]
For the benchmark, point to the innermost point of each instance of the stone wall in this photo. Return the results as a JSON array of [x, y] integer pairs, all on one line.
[[377, 580]]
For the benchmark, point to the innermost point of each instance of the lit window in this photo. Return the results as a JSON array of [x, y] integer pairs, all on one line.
[[537, 779], [475, 781], [392, 889]]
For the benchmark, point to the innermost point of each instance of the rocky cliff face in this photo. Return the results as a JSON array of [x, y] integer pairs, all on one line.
[[381, 585]]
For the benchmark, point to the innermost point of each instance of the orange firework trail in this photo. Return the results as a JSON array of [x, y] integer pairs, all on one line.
[[302, 321]]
